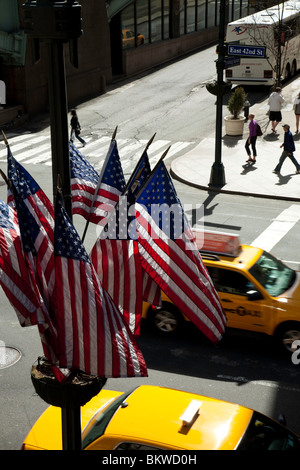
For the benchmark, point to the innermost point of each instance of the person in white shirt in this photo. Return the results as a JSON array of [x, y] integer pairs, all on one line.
[[297, 111], [276, 101]]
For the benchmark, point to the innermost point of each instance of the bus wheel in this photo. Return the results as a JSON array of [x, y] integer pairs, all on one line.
[[294, 68], [287, 73]]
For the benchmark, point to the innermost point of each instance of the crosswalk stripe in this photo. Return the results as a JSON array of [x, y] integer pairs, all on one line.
[[19, 148], [36, 149], [280, 226]]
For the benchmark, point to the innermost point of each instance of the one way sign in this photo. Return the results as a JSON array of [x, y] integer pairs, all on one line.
[[232, 61]]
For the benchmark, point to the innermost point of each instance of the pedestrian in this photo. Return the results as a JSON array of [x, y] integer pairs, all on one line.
[[276, 101], [251, 139], [288, 150], [297, 111], [75, 127]]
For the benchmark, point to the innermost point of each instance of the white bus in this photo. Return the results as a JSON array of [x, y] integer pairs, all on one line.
[[263, 30]]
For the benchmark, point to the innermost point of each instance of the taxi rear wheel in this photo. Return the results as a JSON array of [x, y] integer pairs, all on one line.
[[287, 334], [166, 320]]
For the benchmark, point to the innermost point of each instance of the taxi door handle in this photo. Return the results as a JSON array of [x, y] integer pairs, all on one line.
[[226, 300]]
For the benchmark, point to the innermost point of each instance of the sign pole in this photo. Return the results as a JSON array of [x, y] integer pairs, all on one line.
[[55, 23], [217, 175]]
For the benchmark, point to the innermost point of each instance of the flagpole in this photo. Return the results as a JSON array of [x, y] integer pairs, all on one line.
[[138, 164], [128, 183], [99, 182], [153, 171]]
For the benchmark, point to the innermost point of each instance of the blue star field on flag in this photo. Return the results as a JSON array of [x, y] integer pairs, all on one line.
[[67, 242]]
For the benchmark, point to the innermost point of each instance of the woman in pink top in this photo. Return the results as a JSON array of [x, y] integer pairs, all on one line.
[[251, 139]]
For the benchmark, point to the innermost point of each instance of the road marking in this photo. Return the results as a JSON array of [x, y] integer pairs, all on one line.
[[280, 226], [264, 383], [36, 149]]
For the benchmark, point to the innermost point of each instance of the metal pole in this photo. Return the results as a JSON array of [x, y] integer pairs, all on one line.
[[217, 175], [71, 428], [59, 122], [56, 23]]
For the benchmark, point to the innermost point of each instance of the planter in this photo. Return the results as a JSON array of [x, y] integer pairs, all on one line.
[[234, 126], [218, 89], [76, 391]]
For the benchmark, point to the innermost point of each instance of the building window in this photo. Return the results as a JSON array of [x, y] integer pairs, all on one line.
[[156, 20], [128, 29], [238, 9], [166, 21], [211, 13], [190, 16], [148, 21], [142, 19], [187, 16], [201, 15]]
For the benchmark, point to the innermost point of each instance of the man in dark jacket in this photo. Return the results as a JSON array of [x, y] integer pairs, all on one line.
[[288, 149]]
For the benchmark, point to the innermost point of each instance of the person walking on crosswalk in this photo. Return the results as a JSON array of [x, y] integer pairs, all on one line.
[[75, 127]]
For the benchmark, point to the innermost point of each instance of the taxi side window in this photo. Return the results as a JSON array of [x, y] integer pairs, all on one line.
[[229, 281]]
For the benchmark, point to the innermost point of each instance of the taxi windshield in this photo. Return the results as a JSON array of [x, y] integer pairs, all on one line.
[[272, 274], [265, 434]]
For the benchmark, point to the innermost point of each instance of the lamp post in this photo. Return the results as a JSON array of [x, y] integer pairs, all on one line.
[[55, 23], [217, 175]]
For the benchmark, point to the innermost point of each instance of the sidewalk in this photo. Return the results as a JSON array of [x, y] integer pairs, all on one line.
[[257, 179]]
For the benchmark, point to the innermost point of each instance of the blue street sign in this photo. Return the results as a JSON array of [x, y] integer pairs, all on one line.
[[242, 50], [232, 61]]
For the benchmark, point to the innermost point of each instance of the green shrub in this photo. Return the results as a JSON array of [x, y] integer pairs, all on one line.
[[236, 101]]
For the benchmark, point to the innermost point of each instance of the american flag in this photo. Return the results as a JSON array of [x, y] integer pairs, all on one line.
[[95, 196], [150, 289], [84, 181], [35, 215], [19, 281], [93, 336], [116, 258], [15, 274], [36, 219], [170, 256]]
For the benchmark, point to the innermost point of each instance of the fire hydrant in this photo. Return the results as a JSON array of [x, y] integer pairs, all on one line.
[[246, 110]]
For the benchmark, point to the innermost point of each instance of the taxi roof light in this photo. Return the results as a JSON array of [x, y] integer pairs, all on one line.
[[190, 412], [217, 242]]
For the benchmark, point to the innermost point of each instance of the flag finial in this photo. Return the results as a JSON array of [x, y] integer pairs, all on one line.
[[4, 138], [114, 134]]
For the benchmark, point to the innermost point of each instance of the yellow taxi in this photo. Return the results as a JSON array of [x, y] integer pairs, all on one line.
[[258, 292], [128, 39], [151, 417]]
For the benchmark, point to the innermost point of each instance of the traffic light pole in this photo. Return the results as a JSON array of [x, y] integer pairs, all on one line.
[[59, 122], [55, 23]]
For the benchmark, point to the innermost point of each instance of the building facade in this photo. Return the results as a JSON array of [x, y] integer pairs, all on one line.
[[120, 39]]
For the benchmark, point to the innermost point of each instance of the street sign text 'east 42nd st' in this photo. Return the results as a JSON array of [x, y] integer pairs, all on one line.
[[242, 50]]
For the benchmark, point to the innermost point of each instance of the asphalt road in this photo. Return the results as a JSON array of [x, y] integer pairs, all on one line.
[[173, 102]]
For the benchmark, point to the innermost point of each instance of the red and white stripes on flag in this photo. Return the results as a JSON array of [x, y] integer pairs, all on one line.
[[174, 261], [94, 196], [93, 335], [33, 203], [84, 181], [116, 258], [117, 263], [18, 281], [15, 274]]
